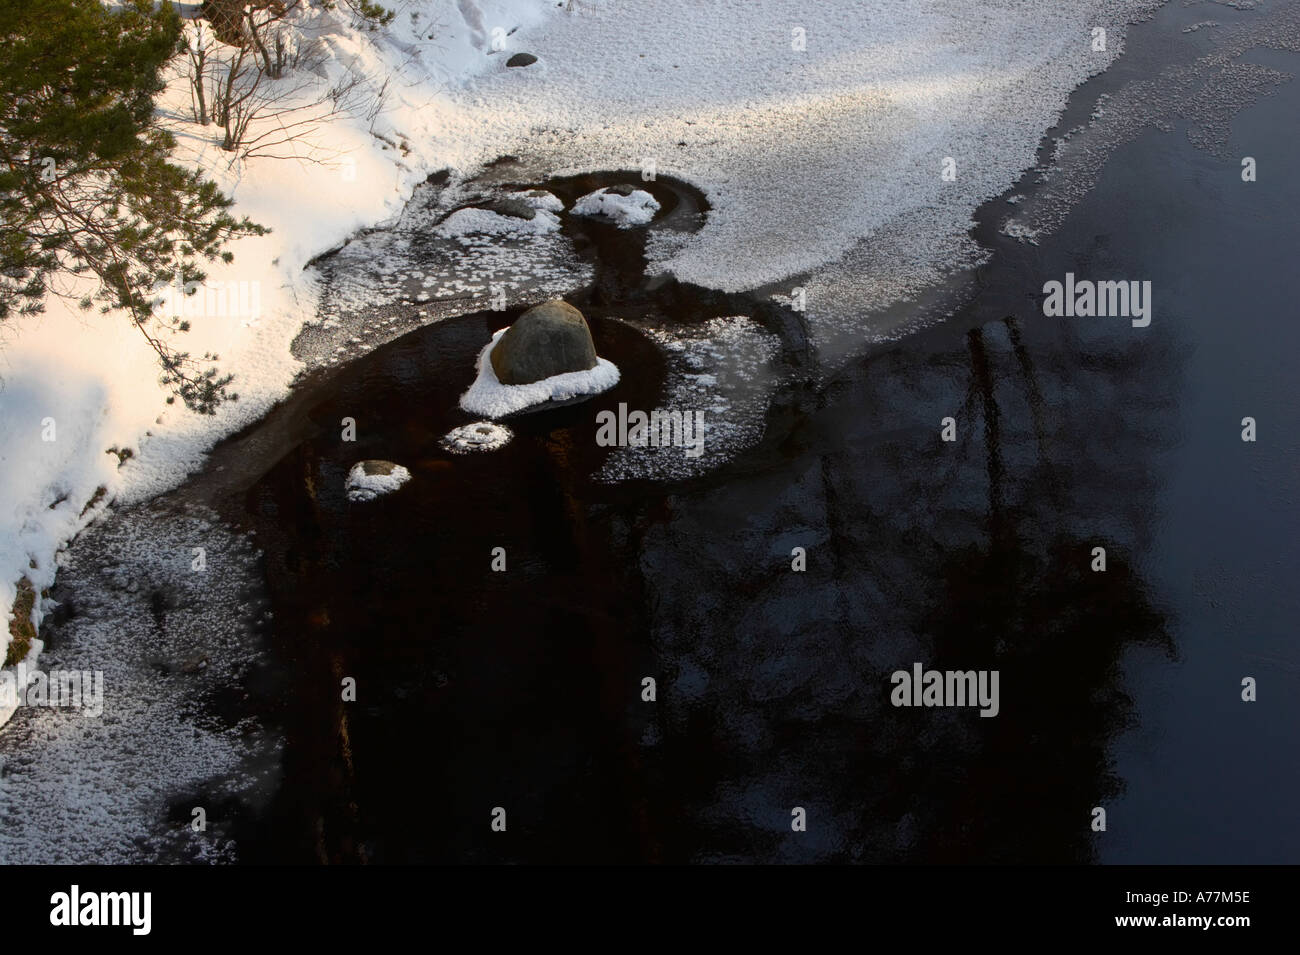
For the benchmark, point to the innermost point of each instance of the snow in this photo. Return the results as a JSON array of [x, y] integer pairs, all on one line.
[[539, 199], [364, 486], [57, 365], [11, 681], [809, 157], [478, 436], [636, 208], [387, 267], [465, 222], [809, 126], [491, 399], [100, 790]]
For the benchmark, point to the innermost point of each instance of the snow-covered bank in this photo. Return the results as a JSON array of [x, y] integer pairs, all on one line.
[[812, 128], [74, 384]]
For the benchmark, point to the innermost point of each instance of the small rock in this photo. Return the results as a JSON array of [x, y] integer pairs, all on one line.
[[521, 59], [479, 436], [624, 205], [195, 665], [515, 208], [369, 479]]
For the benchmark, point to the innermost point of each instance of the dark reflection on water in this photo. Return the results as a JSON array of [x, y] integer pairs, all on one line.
[[974, 555], [451, 660], [522, 689]]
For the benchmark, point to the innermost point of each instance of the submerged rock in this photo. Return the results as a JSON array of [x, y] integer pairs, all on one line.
[[548, 339]]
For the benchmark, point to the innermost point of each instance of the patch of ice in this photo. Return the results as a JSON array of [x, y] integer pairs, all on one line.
[[488, 397], [170, 641], [1201, 94], [725, 370]]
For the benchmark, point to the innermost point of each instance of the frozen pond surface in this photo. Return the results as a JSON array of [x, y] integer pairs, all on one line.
[[523, 688]]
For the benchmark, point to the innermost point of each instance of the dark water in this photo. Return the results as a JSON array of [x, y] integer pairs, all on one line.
[[1210, 778], [1121, 689]]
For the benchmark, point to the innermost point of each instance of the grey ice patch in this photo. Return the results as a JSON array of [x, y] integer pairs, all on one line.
[[903, 278], [400, 275], [724, 370], [1203, 92], [170, 643]]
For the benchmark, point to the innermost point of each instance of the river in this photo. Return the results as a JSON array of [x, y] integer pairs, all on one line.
[[523, 690]]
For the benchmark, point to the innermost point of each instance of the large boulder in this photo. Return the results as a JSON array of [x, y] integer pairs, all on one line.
[[548, 339]]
